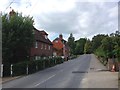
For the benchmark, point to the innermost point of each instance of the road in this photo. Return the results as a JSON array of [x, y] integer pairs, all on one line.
[[70, 74]]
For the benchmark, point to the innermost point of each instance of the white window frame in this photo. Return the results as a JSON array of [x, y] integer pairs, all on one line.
[[42, 46], [45, 46], [36, 44], [49, 47]]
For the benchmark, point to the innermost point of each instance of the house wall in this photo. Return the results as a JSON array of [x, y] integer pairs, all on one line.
[[42, 49], [58, 47]]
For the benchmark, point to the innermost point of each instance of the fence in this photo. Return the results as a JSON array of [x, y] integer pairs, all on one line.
[[29, 67]]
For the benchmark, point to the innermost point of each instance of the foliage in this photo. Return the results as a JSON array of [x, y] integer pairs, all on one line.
[[97, 41], [6, 69], [73, 57], [108, 46], [71, 43], [116, 50], [17, 37], [100, 52], [80, 46], [19, 68], [33, 66], [88, 47]]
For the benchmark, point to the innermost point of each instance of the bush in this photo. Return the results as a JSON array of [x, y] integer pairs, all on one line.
[[52, 62], [31, 67], [19, 68], [59, 60], [6, 69], [73, 57], [39, 64]]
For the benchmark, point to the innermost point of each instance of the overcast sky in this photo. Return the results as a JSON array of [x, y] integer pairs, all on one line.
[[83, 19]]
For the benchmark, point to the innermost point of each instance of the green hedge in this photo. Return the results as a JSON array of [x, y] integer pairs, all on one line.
[[19, 68], [73, 57], [39, 64], [33, 66], [6, 70]]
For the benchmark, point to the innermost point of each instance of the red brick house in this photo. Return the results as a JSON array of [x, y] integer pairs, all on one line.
[[60, 47], [42, 47]]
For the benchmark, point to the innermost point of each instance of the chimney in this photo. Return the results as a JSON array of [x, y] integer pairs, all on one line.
[[12, 12], [61, 36]]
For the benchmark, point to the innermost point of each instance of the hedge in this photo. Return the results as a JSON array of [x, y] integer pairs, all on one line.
[[19, 68], [32, 66], [6, 70]]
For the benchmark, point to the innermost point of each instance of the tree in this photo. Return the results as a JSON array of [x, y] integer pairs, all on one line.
[[96, 41], [88, 47], [80, 46], [116, 50], [71, 43], [17, 33], [108, 46]]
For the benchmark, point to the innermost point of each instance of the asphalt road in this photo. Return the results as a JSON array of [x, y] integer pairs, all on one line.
[[70, 74]]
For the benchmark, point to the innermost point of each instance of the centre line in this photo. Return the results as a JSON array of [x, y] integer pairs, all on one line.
[[45, 80]]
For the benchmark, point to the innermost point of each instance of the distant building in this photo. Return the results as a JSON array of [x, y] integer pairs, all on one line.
[[60, 47], [42, 47]]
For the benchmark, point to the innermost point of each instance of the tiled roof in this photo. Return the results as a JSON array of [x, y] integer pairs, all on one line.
[[43, 32], [63, 41], [39, 37], [60, 43]]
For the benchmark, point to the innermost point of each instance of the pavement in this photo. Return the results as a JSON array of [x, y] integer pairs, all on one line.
[[99, 76], [7, 79], [83, 72]]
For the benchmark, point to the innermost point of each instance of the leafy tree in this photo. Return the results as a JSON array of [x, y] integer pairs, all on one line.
[[108, 46], [71, 43], [88, 47], [80, 46], [116, 50], [17, 33], [100, 52], [96, 41]]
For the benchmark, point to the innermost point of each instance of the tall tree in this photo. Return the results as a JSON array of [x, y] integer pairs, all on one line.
[[96, 41], [17, 33], [116, 50], [108, 46], [88, 47], [71, 43], [80, 46]]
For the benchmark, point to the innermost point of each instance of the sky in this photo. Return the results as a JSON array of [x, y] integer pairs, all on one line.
[[82, 18]]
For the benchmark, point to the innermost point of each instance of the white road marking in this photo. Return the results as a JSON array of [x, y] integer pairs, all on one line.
[[48, 78], [84, 80], [45, 80]]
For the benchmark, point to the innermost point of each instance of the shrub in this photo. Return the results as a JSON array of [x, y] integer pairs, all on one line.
[[39, 64], [19, 68], [73, 57], [6, 69], [31, 66]]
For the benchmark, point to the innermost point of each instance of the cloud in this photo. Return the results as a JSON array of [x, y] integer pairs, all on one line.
[[82, 18]]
